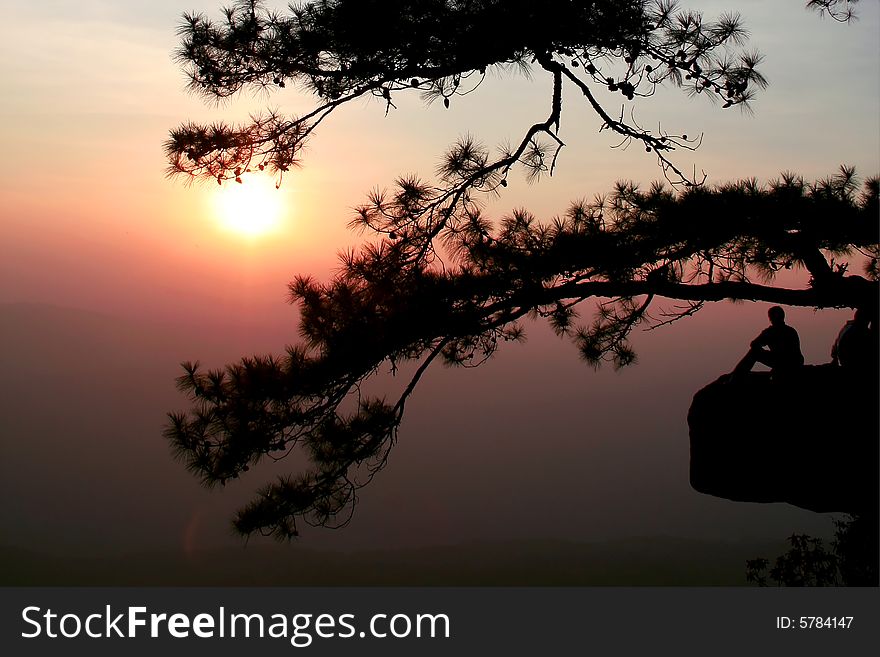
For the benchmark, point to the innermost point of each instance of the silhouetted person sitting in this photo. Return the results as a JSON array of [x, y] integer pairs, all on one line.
[[778, 347], [852, 348]]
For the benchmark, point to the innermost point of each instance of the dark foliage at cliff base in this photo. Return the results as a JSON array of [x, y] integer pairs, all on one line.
[[850, 559]]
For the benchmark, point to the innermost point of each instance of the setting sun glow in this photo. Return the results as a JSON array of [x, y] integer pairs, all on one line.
[[251, 208]]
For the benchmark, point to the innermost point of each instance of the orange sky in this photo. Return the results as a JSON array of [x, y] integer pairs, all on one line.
[[88, 220]]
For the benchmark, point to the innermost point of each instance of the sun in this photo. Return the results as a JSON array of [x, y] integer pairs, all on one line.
[[251, 208]]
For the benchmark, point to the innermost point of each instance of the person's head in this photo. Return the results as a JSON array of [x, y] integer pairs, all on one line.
[[776, 315], [861, 317]]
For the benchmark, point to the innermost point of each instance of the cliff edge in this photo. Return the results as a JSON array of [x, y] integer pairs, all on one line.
[[810, 440]]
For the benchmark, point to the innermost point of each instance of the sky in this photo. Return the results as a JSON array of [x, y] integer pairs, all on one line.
[[538, 445]]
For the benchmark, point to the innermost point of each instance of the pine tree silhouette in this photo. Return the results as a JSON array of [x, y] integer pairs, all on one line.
[[444, 281]]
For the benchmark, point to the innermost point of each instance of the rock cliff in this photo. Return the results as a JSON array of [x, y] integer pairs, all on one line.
[[811, 440]]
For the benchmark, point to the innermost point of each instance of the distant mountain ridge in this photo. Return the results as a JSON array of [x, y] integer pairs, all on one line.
[[651, 561]]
